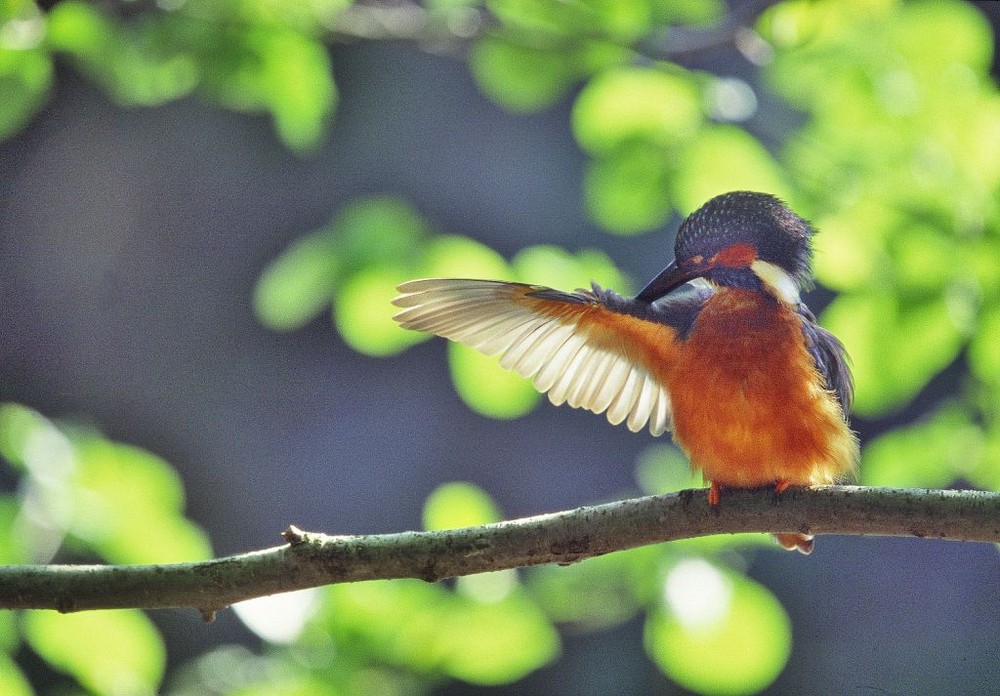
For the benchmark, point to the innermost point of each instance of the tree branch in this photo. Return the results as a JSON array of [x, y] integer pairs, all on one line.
[[310, 560]]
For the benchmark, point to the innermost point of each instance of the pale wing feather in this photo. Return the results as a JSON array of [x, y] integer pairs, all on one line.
[[557, 351]]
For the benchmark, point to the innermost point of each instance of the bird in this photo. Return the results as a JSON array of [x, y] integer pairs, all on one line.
[[718, 348]]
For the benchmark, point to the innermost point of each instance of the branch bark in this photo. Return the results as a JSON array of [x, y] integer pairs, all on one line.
[[311, 560]]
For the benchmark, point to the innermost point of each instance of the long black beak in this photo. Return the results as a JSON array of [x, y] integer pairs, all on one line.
[[668, 279]]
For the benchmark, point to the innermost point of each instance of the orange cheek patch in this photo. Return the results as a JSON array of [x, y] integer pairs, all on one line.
[[736, 255]]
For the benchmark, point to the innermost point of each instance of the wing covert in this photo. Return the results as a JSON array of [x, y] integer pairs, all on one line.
[[573, 346], [830, 358]]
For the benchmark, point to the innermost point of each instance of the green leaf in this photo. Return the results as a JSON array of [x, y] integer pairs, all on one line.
[[721, 159], [688, 11], [496, 643], [108, 652], [555, 267], [399, 621], [916, 257], [939, 36], [298, 83], [627, 191], [929, 454], [129, 504], [722, 633], [664, 469], [14, 547], [487, 388], [26, 71], [520, 78], [431, 630], [20, 430], [79, 29], [12, 679], [298, 285], [459, 504], [144, 63], [9, 633], [621, 22], [895, 349], [595, 595], [452, 256], [378, 229], [849, 250], [636, 104], [984, 352], [363, 311]]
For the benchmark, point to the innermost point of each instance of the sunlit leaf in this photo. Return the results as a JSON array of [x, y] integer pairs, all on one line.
[[397, 620], [9, 636], [665, 469], [431, 630], [487, 388], [557, 268], [984, 353], [496, 643], [80, 29], [20, 428], [987, 475], [941, 35], [916, 258], [597, 594], [636, 104], [236, 670], [724, 159], [14, 547], [590, 19], [722, 633], [928, 454], [459, 504], [849, 250], [108, 652], [895, 349], [129, 506], [518, 77], [363, 310], [449, 256], [25, 80], [299, 284], [627, 191], [145, 63], [377, 230], [13, 682], [687, 11], [299, 85]]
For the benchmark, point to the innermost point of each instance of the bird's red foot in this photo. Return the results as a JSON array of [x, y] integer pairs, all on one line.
[[714, 497], [803, 543], [782, 485]]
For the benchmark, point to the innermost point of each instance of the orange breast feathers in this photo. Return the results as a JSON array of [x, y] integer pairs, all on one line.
[[750, 407]]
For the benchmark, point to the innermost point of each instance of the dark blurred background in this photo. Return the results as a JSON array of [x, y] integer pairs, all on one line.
[[130, 244]]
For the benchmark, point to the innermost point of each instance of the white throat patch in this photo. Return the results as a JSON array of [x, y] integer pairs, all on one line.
[[777, 281]]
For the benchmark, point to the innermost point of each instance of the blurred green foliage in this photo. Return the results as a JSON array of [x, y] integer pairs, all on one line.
[[896, 159], [248, 55], [84, 498]]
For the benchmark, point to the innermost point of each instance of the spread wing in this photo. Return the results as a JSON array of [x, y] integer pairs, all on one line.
[[592, 349]]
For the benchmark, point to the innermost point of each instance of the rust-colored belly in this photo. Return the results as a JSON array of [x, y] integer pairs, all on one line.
[[749, 406]]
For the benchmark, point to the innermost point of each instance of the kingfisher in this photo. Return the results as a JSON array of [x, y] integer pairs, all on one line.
[[718, 348]]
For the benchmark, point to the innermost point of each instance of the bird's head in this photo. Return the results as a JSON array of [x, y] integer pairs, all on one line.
[[740, 239]]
